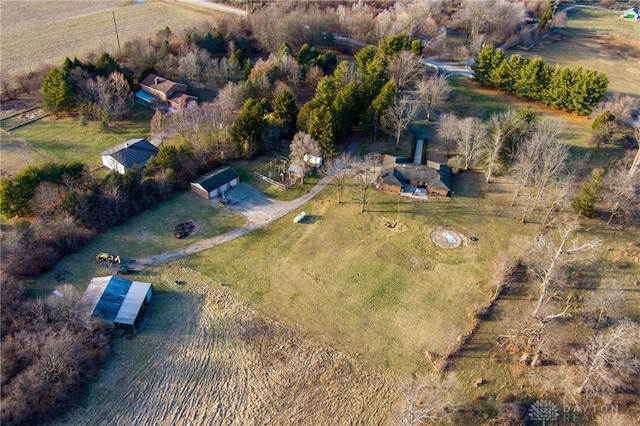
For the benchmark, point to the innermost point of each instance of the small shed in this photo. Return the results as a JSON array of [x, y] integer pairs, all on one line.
[[215, 183], [132, 152], [113, 301]]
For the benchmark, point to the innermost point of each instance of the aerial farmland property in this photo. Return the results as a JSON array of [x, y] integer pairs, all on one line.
[[320, 213]]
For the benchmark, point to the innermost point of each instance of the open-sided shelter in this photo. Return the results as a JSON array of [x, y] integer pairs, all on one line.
[[215, 183], [113, 301]]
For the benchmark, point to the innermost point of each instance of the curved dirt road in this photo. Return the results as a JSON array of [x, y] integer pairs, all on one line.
[[252, 204]]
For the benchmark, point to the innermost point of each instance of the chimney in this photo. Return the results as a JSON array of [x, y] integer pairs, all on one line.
[[156, 80]]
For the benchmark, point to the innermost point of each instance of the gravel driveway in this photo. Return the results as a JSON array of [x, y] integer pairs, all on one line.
[[259, 210]]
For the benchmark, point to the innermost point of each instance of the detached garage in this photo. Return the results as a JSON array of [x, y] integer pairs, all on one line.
[[215, 183]]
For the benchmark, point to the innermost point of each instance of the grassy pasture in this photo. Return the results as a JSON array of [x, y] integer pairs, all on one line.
[[385, 294], [599, 40], [149, 233], [35, 32], [64, 139]]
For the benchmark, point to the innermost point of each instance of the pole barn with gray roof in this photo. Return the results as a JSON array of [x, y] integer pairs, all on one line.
[[215, 183], [114, 300]]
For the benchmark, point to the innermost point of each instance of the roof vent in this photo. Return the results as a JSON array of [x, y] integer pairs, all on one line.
[[126, 145]]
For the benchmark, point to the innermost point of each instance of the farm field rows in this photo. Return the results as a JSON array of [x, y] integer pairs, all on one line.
[[38, 32]]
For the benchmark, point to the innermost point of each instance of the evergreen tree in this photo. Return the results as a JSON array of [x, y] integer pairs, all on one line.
[[326, 91], [374, 79], [246, 132], [320, 126], [106, 64], [394, 44], [57, 92], [380, 104], [585, 201], [489, 58], [285, 109], [603, 127], [284, 50], [307, 57], [533, 78], [346, 110]]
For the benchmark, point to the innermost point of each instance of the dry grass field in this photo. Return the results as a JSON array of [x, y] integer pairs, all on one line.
[[314, 323], [202, 357], [37, 32], [599, 40]]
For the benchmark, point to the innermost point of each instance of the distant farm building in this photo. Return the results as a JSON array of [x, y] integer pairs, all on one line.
[[113, 301], [215, 183], [399, 176], [159, 92], [633, 14], [134, 152]]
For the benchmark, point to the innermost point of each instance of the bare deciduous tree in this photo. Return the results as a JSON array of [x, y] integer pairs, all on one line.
[[366, 173], [340, 169], [607, 356], [471, 135], [302, 146], [622, 194], [432, 92], [114, 93], [548, 260], [399, 115], [47, 198], [620, 106], [539, 161], [159, 124], [114, 193], [447, 131], [430, 398], [404, 68]]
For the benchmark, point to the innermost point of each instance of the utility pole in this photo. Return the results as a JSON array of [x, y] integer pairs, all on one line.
[[117, 38]]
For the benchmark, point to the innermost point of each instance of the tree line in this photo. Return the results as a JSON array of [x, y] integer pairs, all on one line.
[[574, 90]]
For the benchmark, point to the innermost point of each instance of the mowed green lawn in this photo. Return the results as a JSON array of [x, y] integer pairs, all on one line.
[[150, 233], [388, 294], [599, 40], [64, 139]]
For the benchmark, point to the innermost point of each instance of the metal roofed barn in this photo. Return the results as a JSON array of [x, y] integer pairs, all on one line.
[[129, 153], [113, 301]]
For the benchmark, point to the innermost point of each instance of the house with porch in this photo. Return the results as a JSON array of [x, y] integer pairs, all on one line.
[[399, 176]]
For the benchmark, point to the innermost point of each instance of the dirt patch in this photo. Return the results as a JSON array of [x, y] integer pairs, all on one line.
[[11, 107]]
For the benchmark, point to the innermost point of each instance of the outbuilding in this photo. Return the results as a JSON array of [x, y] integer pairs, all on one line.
[[215, 183], [134, 152], [113, 301]]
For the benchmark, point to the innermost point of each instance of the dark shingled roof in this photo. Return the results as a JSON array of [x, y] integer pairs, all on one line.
[[134, 151], [216, 178], [397, 171], [158, 83]]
